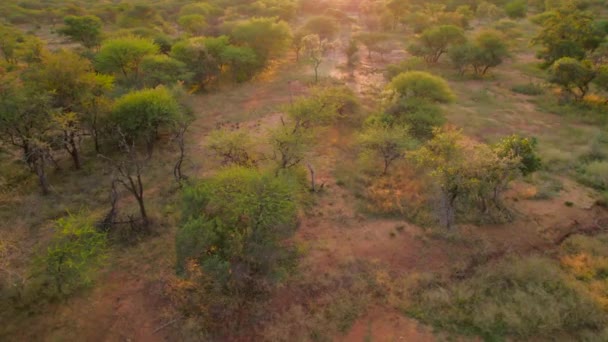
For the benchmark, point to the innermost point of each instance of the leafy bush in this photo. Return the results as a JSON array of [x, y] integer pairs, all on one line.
[[524, 148], [141, 113], [420, 115], [530, 88], [423, 85], [233, 227], [410, 64], [123, 55], [75, 253], [519, 297], [586, 258], [516, 8], [595, 174]]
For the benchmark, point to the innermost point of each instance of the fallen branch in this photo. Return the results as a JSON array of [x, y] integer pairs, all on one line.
[[165, 325]]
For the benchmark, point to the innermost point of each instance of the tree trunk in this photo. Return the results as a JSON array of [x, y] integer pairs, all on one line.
[[73, 150], [313, 186], [95, 134], [387, 163], [40, 172], [142, 210], [139, 195], [447, 201]]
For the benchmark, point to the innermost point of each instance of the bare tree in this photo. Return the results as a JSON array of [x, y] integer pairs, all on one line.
[[39, 155], [110, 218], [128, 173], [180, 137]]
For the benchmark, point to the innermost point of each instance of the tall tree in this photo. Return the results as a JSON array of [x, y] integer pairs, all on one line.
[[85, 30], [140, 114], [567, 32], [123, 56], [573, 76], [435, 41], [73, 85], [421, 85], [389, 141], [268, 37]]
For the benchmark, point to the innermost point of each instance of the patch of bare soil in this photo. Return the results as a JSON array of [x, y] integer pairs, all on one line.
[[127, 310], [387, 325]]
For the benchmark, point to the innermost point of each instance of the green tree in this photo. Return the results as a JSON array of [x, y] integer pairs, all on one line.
[[352, 54], [316, 110], [315, 50], [196, 54], [268, 37], [488, 11], [76, 251], [573, 76], [567, 32], [516, 8], [195, 24], [233, 227], [420, 115], [85, 30], [140, 114], [422, 85], [241, 60], [9, 43], [468, 175], [234, 147], [435, 41], [322, 26], [398, 10], [463, 56], [445, 158], [73, 84], [373, 41], [162, 69], [24, 114], [389, 141], [290, 146], [601, 79], [124, 56], [490, 51], [306, 115], [525, 149]]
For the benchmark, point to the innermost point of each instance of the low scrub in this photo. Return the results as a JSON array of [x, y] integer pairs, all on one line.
[[595, 175], [531, 89], [519, 297]]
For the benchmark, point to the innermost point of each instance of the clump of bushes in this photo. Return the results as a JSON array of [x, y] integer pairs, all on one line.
[[519, 297], [531, 89], [595, 174]]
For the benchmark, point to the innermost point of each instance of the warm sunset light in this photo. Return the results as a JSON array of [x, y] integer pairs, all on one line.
[[303, 170]]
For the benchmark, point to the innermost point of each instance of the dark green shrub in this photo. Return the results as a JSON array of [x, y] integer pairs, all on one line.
[[233, 227], [519, 297], [531, 89]]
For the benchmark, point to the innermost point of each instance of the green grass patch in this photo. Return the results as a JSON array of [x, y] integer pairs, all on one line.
[[530, 89], [524, 298]]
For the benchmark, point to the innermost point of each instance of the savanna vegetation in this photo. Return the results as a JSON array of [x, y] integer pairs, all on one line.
[[304, 170]]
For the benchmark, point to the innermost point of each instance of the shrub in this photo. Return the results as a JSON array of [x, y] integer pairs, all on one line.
[[420, 115], [519, 297], [524, 148], [75, 253], [141, 113], [233, 227], [595, 174], [530, 88], [410, 64], [422, 85], [436, 41], [516, 9]]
